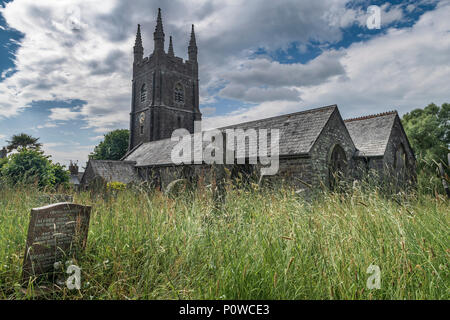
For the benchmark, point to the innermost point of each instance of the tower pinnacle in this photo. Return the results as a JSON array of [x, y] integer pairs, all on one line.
[[192, 49], [171, 52], [138, 48], [159, 35]]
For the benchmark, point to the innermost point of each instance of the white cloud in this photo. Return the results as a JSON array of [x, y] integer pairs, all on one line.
[[53, 144], [208, 111], [6, 72], [391, 13], [97, 138], [256, 94], [410, 7], [263, 80], [263, 72], [343, 17], [262, 110], [56, 62], [47, 125], [64, 153], [63, 114]]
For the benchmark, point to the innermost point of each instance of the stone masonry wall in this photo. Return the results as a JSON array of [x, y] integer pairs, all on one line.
[[396, 140], [161, 73], [334, 133]]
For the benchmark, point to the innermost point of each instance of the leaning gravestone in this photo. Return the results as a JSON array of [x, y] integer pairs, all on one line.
[[54, 198], [175, 187], [55, 233]]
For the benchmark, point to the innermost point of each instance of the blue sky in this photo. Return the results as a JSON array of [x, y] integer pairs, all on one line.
[[66, 66]]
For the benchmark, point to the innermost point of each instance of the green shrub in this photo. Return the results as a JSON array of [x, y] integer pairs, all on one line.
[[32, 166], [29, 166], [61, 174], [3, 161]]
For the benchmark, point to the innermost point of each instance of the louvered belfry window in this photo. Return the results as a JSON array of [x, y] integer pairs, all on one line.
[[179, 93], [143, 93]]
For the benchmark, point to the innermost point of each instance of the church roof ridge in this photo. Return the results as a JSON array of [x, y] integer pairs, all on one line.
[[287, 115], [94, 161], [372, 116]]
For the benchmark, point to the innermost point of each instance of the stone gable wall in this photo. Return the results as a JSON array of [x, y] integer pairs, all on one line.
[[397, 139], [334, 133]]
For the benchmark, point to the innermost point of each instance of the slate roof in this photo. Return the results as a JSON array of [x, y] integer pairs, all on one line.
[[298, 132], [117, 171], [370, 134], [153, 153]]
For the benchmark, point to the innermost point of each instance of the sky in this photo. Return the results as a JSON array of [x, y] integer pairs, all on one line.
[[66, 66]]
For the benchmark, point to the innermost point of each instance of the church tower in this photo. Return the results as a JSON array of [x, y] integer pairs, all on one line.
[[165, 94]]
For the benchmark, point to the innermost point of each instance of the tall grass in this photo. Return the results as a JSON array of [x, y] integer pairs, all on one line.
[[255, 244]]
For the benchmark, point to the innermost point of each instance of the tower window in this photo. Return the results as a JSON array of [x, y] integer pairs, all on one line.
[[179, 93], [143, 93], [141, 122]]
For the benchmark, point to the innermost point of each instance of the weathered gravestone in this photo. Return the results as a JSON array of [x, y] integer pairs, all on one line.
[[176, 187], [56, 233], [54, 198]]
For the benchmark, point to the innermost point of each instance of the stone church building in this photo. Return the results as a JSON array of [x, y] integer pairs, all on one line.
[[316, 148]]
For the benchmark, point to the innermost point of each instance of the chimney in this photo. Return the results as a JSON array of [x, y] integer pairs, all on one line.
[[73, 168], [3, 153]]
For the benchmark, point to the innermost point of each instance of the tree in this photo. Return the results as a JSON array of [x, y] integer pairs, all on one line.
[[3, 161], [428, 131], [23, 141], [113, 147], [29, 166], [61, 174]]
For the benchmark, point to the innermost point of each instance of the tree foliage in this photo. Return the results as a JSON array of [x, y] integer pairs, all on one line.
[[61, 174], [428, 131], [23, 141], [3, 161], [32, 166], [113, 147]]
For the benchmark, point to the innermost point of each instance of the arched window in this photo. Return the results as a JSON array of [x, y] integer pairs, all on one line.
[[179, 93], [338, 166], [143, 93], [141, 123]]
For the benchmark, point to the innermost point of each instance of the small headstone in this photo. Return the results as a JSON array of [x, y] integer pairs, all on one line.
[[55, 233], [176, 186], [55, 198]]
